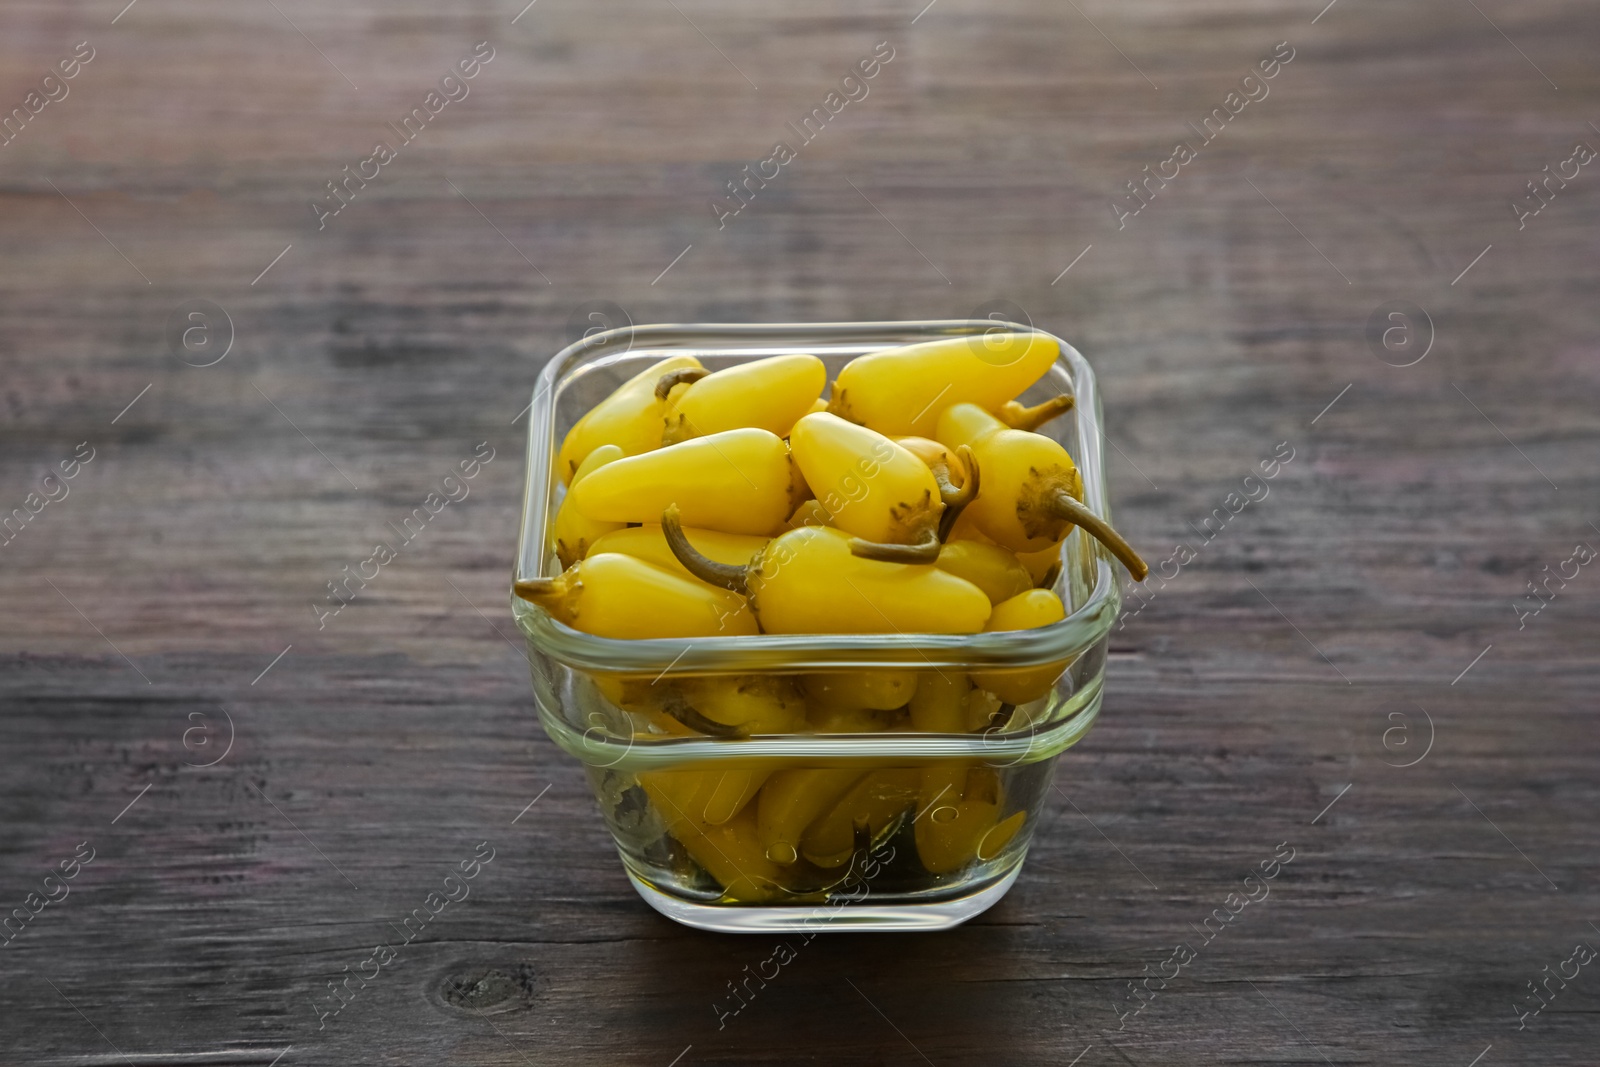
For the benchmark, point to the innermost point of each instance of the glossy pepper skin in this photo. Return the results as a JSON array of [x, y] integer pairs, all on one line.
[[574, 533], [808, 581], [738, 481], [1031, 493], [902, 391], [630, 418], [988, 566], [964, 824], [771, 394], [612, 595], [870, 486], [1026, 611], [874, 689]]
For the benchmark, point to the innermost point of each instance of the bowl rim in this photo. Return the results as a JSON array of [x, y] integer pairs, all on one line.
[[765, 653]]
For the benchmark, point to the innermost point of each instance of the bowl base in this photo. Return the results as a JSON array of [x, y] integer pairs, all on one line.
[[852, 918]]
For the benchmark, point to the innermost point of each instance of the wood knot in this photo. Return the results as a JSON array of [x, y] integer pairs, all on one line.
[[488, 991]]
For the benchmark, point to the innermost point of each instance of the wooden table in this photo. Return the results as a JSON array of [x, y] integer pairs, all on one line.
[[1341, 668]]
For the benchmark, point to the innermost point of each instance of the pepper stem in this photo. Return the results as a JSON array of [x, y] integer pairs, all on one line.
[[968, 491], [678, 377], [1064, 505], [948, 493], [1018, 417], [725, 575], [680, 709], [548, 593], [924, 550]]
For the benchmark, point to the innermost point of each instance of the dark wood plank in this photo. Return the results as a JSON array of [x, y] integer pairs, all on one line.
[[1255, 689]]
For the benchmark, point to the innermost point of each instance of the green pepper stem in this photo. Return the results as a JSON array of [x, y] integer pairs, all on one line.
[[725, 575], [1064, 505], [673, 378], [967, 494], [1014, 415], [924, 550]]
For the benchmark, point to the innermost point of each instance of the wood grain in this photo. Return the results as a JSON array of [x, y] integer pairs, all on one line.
[[1265, 678]]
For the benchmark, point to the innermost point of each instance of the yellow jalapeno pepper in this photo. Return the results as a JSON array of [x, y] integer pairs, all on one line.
[[808, 581], [1025, 611], [573, 532], [612, 595], [1030, 496], [630, 418], [901, 391], [771, 394], [738, 481], [869, 689], [871, 487]]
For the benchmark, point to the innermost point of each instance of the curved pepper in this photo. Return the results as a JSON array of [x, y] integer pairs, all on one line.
[[573, 532], [630, 418], [870, 486], [1026, 611], [902, 391], [771, 394], [612, 595], [807, 581], [1031, 494], [737, 481]]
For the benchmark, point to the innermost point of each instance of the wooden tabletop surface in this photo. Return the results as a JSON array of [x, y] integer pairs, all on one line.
[[1354, 667]]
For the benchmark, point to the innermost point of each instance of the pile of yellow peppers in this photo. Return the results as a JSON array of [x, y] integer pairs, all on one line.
[[916, 498]]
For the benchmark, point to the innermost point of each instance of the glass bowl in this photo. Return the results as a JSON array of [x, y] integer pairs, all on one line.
[[872, 827]]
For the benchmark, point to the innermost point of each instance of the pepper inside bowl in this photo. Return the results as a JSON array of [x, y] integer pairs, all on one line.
[[818, 652]]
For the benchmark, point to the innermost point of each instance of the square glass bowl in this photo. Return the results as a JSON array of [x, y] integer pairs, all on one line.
[[882, 828]]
